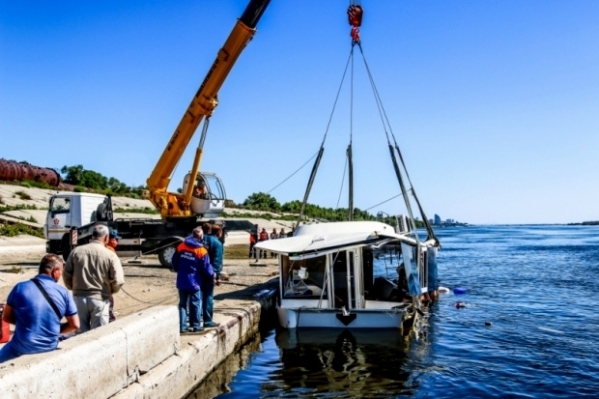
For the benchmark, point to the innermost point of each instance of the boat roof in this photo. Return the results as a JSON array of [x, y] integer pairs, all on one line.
[[321, 237]]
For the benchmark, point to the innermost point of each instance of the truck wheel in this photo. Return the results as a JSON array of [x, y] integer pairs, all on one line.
[[166, 255]]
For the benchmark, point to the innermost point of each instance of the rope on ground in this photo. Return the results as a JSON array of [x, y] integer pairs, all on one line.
[[146, 302]]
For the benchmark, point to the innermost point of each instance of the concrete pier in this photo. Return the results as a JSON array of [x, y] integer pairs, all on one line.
[[139, 356]]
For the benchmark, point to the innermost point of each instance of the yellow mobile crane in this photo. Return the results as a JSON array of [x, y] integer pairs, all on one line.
[[209, 200], [72, 216]]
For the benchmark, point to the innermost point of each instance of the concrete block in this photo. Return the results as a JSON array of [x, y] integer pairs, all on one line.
[[97, 364], [88, 366], [152, 336], [180, 374]]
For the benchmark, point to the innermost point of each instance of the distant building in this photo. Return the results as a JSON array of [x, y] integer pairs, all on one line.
[[437, 219]]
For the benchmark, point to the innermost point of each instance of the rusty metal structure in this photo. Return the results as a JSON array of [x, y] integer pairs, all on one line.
[[11, 170]]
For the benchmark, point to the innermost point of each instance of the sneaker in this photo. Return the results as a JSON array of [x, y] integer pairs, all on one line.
[[211, 324]]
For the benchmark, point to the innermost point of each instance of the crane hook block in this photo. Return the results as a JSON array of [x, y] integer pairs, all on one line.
[[354, 16]]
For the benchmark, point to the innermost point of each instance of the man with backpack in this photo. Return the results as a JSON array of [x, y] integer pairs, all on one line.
[[36, 307]]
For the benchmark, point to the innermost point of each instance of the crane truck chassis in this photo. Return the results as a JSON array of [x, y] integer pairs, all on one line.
[[72, 217]]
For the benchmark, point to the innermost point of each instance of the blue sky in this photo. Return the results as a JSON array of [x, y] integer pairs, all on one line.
[[495, 104]]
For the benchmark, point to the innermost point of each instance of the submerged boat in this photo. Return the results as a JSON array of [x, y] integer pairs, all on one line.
[[327, 276]]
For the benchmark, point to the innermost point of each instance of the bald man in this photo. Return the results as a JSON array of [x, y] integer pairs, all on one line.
[[93, 273]]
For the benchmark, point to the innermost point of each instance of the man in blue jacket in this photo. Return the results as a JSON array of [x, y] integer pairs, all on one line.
[[36, 307], [215, 251], [192, 264]]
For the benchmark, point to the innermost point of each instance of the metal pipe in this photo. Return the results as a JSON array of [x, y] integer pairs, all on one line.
[[11, 170]]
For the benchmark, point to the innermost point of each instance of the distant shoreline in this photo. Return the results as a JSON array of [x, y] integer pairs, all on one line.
[[591, 223]]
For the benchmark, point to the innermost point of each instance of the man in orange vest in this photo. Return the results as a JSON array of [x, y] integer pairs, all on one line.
[[263, 236], [192, 264], [253, 240]]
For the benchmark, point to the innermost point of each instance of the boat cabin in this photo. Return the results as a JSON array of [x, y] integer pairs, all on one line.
[[349, 268]]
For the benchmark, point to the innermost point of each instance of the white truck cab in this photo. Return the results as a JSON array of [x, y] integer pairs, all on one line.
[[66, 210]]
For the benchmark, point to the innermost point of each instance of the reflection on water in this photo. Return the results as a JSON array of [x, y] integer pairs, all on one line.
[[344, 364], [218, 381], [323, 364]]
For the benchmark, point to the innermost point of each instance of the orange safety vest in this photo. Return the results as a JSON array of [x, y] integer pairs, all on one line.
[[263, 236], [199, 252]]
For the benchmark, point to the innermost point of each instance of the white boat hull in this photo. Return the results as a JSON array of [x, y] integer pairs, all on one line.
[[334, 318]]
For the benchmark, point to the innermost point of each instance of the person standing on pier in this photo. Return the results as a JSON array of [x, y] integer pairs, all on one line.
[[263, 236], [212, 234], [36, 308], [273, 236], [94, 274], [253, 241], [192, 263], [113, 242]]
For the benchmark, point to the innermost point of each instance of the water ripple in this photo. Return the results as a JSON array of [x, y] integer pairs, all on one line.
[[529, 329]]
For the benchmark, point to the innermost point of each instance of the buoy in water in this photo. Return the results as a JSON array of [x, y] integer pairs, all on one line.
[[460, 305], [459, 290], [443, 290]]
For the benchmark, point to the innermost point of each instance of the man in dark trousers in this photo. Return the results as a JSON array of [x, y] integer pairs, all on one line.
[[215, 252], [36, 307], [192, 264], [263, 236]]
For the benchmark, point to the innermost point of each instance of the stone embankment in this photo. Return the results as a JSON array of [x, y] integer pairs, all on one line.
[[38, 198], [139, 356]]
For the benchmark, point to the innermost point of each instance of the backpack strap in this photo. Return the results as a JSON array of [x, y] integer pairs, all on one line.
[[50, 301]]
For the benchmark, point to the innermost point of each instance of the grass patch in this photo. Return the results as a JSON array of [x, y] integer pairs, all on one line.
[[28, 219], [23, 195], [16, 229], [17, 208], [237, 251], [14, 269]]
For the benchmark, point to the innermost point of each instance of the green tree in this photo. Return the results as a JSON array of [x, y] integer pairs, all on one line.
[[73, 174], [262, 201]]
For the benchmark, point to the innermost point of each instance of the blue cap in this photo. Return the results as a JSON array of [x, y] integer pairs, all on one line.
[[115, 234]]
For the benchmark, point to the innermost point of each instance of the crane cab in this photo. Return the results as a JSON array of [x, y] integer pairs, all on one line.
[[208, 198]]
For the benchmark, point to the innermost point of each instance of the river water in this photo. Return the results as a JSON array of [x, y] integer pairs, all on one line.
[[529, 328]]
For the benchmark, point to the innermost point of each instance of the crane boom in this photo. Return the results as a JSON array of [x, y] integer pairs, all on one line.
[[202, 105]]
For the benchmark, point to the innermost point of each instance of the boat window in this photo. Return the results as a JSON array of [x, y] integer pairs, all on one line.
[[340, 278], [304, 278], [388, 281]]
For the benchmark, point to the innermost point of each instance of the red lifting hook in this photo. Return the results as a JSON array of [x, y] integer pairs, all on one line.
[[354, 15]]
